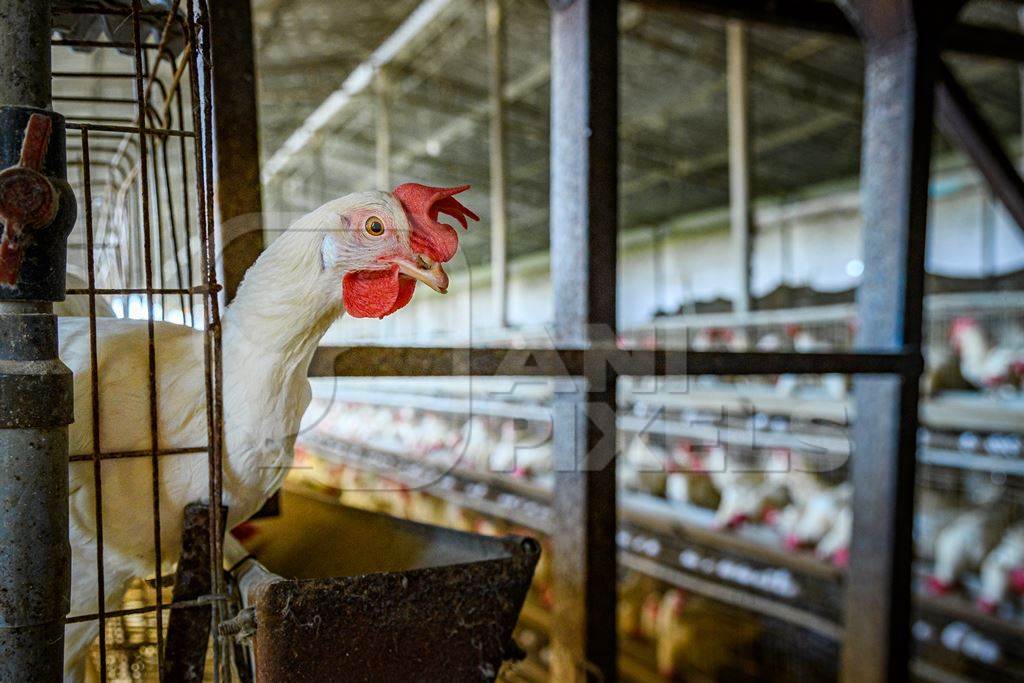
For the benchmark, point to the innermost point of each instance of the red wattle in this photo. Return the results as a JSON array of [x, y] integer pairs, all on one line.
[[375, 293], [1017, 579]]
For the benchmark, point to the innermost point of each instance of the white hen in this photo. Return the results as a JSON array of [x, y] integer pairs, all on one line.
[[362, 253]]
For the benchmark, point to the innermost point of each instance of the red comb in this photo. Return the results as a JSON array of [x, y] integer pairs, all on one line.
[[961, 324], [422, 205]]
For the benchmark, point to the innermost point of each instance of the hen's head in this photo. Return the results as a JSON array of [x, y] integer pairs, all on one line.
[[389, 241]]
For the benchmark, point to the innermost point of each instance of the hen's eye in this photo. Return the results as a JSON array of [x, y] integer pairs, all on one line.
[[374, 226]]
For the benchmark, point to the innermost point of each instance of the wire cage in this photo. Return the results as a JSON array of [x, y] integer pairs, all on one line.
[[132, 79]]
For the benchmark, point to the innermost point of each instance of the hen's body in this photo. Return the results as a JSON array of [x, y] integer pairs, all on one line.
[[367, 250], [268, 341]]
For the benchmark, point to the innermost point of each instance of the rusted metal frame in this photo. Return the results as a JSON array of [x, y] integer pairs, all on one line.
[[161, 48], [188, 629], [150, 329], [899, 90], [93, 100], [186, 215], [175, 246], [157, 195], [116, 11], [415, 361], [162, 120], [826, 17], [94, 379], [584, 221], [133, 290], [961, 121], [204, 108], [117, 44], [498, 157], [146, 609], [115, 455], [236, 147], [741, 212], [131, 130], [91, 75]]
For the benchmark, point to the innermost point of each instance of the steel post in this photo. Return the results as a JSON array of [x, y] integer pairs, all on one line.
[[584, 230], [498, 160], [37, 209], [741, 212], [901, 71]]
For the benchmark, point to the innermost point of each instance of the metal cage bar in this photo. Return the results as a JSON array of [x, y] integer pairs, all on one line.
[[152, 207]]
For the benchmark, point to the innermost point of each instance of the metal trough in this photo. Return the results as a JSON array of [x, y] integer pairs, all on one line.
[[406, 601]]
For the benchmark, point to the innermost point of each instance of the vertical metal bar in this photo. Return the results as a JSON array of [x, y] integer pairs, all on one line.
[[498, 158], [94, 378], [36, 389], [740, 210], [584, 221], [382, 90], [186, 208], [213, 351], [900, 78], [658, 256], [988, 235], [236, 151], [147, 248], [25, 53]]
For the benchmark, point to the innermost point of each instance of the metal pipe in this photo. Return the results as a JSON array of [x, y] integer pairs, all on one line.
[[25, 52], [740, 211], [498, 159], [37, 208]]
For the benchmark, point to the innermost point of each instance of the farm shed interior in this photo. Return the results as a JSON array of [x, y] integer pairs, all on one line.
[[649, 359]]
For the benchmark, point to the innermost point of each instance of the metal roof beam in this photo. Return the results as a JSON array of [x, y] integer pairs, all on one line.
[[825, 17], [357, 82], [963, 124]]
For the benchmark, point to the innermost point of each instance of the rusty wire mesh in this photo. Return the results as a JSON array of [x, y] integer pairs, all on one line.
[[139, 119]]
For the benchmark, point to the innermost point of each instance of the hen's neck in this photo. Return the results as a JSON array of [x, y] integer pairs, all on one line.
[[285, 303]]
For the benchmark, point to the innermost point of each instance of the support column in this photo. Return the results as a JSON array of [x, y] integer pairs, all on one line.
[[25, 53], [382, 88], [901, 64], [741, 216], [498, 158], [37, 209], [236, 183], [584, 217]]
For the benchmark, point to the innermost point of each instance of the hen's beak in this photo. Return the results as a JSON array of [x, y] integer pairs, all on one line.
[[426, 271]]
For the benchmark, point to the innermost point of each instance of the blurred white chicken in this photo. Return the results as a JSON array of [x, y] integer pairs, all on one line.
[[1003, 570], [963, 544], [983, 364], [747, 495], [362, 254], [643, 465], [688, 480], [815, 510]]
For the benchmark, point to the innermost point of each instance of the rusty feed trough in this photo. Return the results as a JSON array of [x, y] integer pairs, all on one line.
[[408, 602]]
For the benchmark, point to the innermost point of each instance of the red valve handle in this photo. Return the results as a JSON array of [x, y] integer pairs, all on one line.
[[27, 199]]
